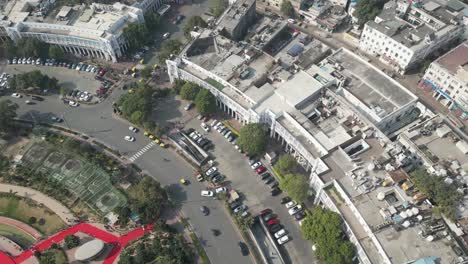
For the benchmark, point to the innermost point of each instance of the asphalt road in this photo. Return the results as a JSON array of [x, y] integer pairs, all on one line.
[[162, 164]]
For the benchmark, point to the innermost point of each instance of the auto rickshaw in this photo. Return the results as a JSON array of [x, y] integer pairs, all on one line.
[[151, 136], [162, 145], [146, 133], [157, 141], [184, 181]]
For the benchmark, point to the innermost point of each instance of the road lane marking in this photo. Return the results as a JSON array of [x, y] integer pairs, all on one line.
[[142, 151]]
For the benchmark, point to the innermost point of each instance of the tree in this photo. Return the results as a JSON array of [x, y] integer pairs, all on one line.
[[136, 35], [287, 9], [217, 7], [324, 228], [296, 185], [72, 241], [252, 139], [33, 81], [147, 199], [189, 91], [146, 72], [446, 197], [205, 102], [9, 48], [7, 114], [56, 52], [367, 10], [32, 220], [152, 20], [168, 47], [286, 164], [32, 47], [195, 21]]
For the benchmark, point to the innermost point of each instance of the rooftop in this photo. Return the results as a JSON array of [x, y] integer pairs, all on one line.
[[455, 60], [378, 92], [230, 19]]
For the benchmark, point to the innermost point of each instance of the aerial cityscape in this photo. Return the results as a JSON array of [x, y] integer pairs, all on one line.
[[239, 131]]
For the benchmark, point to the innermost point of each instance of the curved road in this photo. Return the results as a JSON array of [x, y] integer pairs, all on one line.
[[162, 164]]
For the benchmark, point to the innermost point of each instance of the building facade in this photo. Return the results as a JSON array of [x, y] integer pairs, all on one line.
[[447, 79], [405, 33]]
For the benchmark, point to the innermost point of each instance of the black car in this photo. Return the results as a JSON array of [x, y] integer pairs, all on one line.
[[286, 199], [217, 179], [189, 131], [265, 175], [268, 217], [300, 215], [274, 185], [204, 210], [234, 205], [244, 248], [37, 98], [269, 180], [56, 119], [275, 228], [275, 191]]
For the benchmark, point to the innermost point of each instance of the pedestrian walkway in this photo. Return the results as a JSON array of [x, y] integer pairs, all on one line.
[[59, 209], [142, 151], [117, 243]]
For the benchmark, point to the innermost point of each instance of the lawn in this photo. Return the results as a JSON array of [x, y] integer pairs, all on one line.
[[20, 209], [21, 238]]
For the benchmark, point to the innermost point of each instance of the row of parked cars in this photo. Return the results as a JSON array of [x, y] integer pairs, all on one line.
[[4, 81], [274, 226], [197, 137], [265, 175], [53, 62], [223, 130]]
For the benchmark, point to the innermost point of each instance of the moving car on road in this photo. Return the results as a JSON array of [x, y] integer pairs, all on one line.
[[16, 95], [244, 248], [73, 104], [204, 210], [133, 129]]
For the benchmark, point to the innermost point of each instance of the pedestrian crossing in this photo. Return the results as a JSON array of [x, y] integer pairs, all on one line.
[[142, 151]]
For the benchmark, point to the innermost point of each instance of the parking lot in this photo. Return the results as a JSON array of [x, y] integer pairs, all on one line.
[[240, 176]]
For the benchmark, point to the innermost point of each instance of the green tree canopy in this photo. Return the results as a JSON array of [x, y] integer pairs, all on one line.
[[147, 199], [287, 9], [446, 197], [286, 164], [168, 47], [32, 47], [367, 10], [9, 48], [56, 52], [217, 7], [324, 228], [72, 241], [137, 107], [252, 139], [189, 91], [146, 72], [7, 114], [296, 185], [137, 35], [152, 20], [33, 81], [205, 102], [195, 21]]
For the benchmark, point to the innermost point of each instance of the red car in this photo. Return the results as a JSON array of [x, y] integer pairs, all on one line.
[[266, 211], [260, 169], [102, 72], [273, 221]]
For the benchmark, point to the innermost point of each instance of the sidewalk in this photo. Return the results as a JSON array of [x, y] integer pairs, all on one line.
[[59, 209]]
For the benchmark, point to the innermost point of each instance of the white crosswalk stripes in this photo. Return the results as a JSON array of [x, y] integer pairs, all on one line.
[[142, 151]]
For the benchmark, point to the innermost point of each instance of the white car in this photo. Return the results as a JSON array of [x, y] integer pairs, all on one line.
[[291, 204], [207, 193], [256, 165], [166, 35], [213, 123], [295, 210], [73, 104], [16, 95], [205, 127], [211, 171], [240, 208], [280, 233], [133, 129], [221, 190], [129, 138], [283, 240]]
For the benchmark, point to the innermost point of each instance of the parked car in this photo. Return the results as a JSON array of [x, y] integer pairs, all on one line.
[[291, 204], [268, 217], [275, 228], [300, 215], [295, 209], [129, 138], [273, 221], [260, 169], [37, 98], [188, 106], [234, 205], [286, 199], [256, 165], [133, 129], [265, 175], [221, 190], [56, 119], [266, 212], [73, 103], [29, 102], [244, 249], [16, 95], [280, 233], [211, 171], [205, 127], [206, 193], [275, 191], [240, 208], [268, 180], [204, 210], [283, 240]]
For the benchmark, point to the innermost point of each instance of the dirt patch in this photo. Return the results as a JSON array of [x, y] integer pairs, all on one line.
[[15, 146]]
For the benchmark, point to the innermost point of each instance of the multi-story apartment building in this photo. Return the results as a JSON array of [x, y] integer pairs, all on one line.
[[237, 18], [95, 31], [407, 32], [447, 78]]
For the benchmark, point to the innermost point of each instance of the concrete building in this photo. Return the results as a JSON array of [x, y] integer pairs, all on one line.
[[447, 78], [237, 19], [407, 32], [94, 31]]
